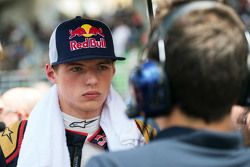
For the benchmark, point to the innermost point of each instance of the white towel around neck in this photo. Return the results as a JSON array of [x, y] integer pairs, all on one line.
[[44, 143]]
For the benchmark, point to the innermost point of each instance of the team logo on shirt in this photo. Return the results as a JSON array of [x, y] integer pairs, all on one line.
[[99, 138], [81, 124], [7, 132]]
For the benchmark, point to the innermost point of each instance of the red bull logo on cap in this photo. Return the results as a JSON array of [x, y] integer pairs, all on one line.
[[87, 31]]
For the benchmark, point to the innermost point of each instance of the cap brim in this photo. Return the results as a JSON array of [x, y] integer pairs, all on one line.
[[87, 58]]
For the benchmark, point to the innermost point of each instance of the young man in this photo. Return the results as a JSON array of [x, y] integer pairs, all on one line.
[[206, 65], [82, 101]]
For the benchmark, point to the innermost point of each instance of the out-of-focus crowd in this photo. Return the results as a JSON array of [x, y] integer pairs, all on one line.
[[25, 47]]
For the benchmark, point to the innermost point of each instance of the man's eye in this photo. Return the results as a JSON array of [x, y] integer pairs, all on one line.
[[76, 69], [102, 67]]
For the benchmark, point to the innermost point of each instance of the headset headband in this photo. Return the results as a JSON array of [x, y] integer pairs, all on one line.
[[172, 17], [183, 10]]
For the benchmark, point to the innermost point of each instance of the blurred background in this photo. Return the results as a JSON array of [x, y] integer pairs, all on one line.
[[26, 27]]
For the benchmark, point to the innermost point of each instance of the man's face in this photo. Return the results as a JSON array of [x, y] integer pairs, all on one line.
[[83, 86]]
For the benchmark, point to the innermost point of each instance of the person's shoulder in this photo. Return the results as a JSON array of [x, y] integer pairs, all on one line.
[[147, 130], [11, 139], [146, 155], [166, 151]]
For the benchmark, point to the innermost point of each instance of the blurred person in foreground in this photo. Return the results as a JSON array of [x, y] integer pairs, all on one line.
[[206, 68], [82, 114]]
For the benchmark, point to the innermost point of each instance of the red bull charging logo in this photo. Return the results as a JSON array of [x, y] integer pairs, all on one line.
[[87, 31]]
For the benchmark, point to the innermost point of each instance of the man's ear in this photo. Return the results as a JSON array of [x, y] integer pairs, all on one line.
[[50, 73], [113, 66]]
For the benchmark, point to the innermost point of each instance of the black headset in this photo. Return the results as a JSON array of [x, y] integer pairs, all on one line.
[[149, 84]]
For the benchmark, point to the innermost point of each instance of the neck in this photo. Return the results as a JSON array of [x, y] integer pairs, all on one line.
[[177, 118], [82, 115]]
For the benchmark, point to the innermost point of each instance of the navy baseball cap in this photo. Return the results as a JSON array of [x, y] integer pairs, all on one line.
[[81, 39]]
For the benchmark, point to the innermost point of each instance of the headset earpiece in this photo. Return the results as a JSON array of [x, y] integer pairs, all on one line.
[[150, 90]]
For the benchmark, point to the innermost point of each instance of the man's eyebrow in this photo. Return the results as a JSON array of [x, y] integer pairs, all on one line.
[[105, 62], [97, 63], [72, 64]]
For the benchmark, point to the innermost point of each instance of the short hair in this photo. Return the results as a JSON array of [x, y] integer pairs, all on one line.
[[206, 62]]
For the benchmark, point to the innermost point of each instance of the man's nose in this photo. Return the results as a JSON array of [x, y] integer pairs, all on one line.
[[91, 78]]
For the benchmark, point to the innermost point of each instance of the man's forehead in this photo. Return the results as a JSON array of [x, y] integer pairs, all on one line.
[[91, 61]]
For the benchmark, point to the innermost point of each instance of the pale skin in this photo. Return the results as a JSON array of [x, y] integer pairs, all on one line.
[[235, 114], [83, 86]]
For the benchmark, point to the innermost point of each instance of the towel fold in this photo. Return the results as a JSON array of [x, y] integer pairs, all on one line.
[[122, 132]]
